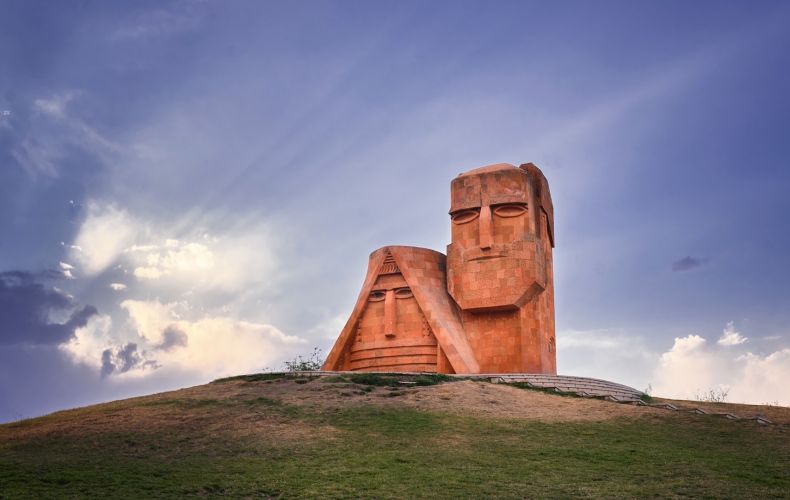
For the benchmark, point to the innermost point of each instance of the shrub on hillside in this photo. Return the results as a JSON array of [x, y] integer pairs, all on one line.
[[313, 362], [718, 395]]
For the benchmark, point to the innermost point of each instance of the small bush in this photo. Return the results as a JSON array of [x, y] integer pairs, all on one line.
[[718, 395], [311, 363]]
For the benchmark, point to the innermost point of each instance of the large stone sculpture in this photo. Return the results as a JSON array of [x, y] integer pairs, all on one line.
[[488, 307]]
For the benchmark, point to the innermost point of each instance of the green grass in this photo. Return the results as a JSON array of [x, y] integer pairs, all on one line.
[[387, 380], [255, 377], [392, 452], [548, 390]]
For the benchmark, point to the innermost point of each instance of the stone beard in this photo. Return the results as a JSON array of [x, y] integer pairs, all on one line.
[[488, 307]]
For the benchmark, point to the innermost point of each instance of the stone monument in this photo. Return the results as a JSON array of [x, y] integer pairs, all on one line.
[[487, 307]]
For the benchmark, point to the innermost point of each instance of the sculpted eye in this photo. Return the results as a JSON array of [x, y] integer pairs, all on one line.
[[511, 210], [403, 293], [377, 295], [464, 216]]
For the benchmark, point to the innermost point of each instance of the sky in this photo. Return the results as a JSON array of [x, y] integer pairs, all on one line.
[[191, 189]]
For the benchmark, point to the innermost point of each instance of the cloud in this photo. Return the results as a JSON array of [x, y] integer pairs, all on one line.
[[176, 258], [605, 353], [88, 342], [151, 318], [53, 136], [161, 22], [173, 337], [26, 306], [687, 264], [123, 359], [229, 261], [224, 346], [693, 366], [38, 158], [326, 330], [764, 378], [148, 273], [118, 287], [160, 342], [67, 268], [55, 106], [103, 235], [730, 337]]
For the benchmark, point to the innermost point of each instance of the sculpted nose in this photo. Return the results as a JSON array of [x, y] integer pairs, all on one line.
[[485, 227], [389, 313]]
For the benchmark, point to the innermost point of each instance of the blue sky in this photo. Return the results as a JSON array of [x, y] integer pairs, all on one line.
[[191, 189]]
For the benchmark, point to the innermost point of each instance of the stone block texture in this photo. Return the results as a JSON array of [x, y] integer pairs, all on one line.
[[487, 307]]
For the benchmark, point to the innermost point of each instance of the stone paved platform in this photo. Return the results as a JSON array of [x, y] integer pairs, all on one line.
[[582, 386]]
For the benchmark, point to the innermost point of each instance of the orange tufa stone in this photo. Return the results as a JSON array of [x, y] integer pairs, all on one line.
[[488, 307]]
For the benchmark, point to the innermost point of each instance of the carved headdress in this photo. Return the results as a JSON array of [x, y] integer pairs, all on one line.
[[404, 319]]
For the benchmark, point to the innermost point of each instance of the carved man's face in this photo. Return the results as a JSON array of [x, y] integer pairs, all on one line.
[[492, 260]]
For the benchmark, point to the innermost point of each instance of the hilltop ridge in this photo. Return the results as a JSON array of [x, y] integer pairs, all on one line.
[[274, 436]]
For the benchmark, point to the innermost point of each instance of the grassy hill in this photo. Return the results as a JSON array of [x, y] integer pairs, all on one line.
[[268, 436]]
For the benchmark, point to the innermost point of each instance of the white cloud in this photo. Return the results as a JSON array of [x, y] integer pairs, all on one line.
[[230, 261], [54, 106], [147, 273], [106, 231], [686, 369], [211, 347], [236, 260], [177, 258], [66, 270], [37, 157], [607, 354], [54, 133], [89, 341], [150, 318], [329, 328], [693, 366], [764, 378], [731, 337], [141, 248], [223, 346]]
